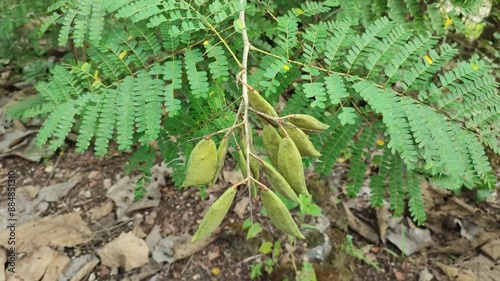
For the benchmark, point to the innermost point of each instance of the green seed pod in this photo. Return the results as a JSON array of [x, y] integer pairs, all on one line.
[[243, 163], [279, 214], [215, 214], [243, 166], [254, 164], [301, 140], [253, 189], [202, 163], [307, 122], [290, 166], [278, 182], [271, 143], [221, 156], [260, 104]]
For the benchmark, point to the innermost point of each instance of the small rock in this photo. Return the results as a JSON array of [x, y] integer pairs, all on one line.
[[58, 175], [400, 276], [214, 253], [196, 276], [168, 229], [93, 174], [92, 277], [425, 275], [177, 275], [49, 169], [149, 219], [31, 191], [87, 194], [106, 183], [38, 172]]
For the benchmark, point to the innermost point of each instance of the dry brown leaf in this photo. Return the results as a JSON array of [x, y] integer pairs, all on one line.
[[484, 268], [12, 139], [492, 249], [126, 251], [185, 248], [173, 248], [241, 207], [361, 227], [66, 231], [457, 274], [122, 193], [101, 211], [25, 269], [3, 260], [154, 237], [232, 176], [382, 221], [56, 267], [462, 245], [409, 240]]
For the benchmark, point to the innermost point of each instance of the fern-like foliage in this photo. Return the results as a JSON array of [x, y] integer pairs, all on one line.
[[162, 74]]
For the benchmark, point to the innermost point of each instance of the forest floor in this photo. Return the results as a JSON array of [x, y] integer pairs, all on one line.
[[76, 216]]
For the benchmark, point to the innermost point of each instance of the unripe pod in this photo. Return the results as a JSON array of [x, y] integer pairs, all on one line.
[[301, 140], [221, 156], [308, 122], [271, 143], [202, 163], [278, 182], [254, 164], [290, 166], [215, 214], [279, 214], [260, 104]]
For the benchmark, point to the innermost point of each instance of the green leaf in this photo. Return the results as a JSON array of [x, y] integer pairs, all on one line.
[[246, 224], [314, 210], [256, 270], [255, 229], [276, 249], [348, 116], [307, 273], [266, 247], [238, 25]]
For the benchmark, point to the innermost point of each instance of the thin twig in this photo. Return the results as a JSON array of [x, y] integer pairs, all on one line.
[[244, 93], [114, 226], [236, 119], [54, 169], [281, 121], [249, 259], [185, 267]]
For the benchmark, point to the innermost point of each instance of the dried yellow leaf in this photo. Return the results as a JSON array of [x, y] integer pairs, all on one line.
[[428, 60], [122, 54], [448, 22]]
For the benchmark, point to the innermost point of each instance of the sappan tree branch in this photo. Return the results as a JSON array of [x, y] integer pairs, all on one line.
[[244, 93]]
